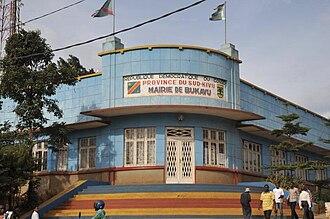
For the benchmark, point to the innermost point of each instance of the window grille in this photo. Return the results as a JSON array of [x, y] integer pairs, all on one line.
[[320, 174], [179, 132], [62, 159], [301, 173], [214, 148], [278, 158], [39, 152], [87, 148], [140, 146], [251, 156]]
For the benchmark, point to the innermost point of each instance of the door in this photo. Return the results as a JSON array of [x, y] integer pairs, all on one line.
[[180, 166]]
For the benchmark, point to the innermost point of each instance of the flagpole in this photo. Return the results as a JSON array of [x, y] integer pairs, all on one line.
[[113, 18], [225, 22]]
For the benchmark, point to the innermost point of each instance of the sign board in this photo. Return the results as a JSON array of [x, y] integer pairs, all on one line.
[[174, 84]]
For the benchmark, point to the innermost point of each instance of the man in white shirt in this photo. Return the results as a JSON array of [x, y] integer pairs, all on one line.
[[35, 214], [279, 194], [305, 202]]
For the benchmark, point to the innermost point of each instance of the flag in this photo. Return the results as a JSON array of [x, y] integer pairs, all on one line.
[[105, 10], [219, 14]]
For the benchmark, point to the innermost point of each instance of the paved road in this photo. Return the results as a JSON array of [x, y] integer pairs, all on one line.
[[321, 216]]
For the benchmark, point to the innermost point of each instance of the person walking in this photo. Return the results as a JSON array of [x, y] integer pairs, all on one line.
[[279, 195], [305, 202], [292, 201], [245, 202], [35, 214], [310, 213], [267, 201]]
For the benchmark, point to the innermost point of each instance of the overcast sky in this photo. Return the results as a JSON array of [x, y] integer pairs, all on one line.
[[284, 44]]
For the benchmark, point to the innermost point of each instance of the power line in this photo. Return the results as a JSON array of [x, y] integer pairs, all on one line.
[[53, 12], [120, 31], [47, 14]]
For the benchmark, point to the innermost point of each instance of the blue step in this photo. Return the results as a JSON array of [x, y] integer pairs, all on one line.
[[104, 189]]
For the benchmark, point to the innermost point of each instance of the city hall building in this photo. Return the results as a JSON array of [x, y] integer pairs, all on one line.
[[172, 114]]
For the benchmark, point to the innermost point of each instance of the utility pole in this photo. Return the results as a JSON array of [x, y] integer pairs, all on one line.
[[9, 21]]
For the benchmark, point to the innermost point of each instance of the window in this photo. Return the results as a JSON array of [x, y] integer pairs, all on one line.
[[251, 156], [62, 158], [87, 148], [39, 152], [140, 146], [321, 173], [277, 158], [214, 148], [301, 173]]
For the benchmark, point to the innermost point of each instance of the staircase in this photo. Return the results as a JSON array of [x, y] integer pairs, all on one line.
[[159, 201]]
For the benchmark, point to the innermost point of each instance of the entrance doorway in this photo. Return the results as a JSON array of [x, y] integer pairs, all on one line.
[[180, 155]]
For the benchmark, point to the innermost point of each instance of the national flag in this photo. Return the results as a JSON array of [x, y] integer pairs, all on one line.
[[219, 14], [133, 87], [105, 10]]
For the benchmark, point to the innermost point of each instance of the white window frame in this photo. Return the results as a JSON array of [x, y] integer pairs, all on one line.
[[40, 152], [301, 173], [321, 174], [278, 157], [62, 159], [251, 156], [140, 146], [87, 145], [214, 148]]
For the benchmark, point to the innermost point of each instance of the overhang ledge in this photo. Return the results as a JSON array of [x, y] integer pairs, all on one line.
[[233, 114]]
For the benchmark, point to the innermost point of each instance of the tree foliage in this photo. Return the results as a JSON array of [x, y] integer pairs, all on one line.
[[30, 78], [326, 140], [16, 163], [289, 130]]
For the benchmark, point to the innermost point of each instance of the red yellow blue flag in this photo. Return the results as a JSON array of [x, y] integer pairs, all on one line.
[[105, 10]]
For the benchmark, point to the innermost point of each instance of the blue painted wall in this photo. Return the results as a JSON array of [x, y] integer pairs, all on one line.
[[106, 91], [269, 106], [167, 60]]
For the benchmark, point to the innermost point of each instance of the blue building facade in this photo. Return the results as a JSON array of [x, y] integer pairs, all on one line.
[[173, 114]]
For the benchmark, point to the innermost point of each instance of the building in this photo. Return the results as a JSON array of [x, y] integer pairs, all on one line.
[[172, 114]]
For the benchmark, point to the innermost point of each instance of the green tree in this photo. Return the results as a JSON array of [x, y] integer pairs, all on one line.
[[30, 79], [326, 140], [16, 163], [289, 144]]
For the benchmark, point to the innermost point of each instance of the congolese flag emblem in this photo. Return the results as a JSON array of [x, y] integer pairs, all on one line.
[[133, 87]]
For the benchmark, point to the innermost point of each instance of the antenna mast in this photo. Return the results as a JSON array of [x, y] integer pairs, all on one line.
[[9, 21]]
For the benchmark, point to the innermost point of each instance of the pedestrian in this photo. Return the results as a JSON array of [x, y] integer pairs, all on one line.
[[279, 195], [266, 201], [245, 202], [292, 200], [305, 202], [8, 214], [2, 212], [99, 208], [35, 214], [310, 213]]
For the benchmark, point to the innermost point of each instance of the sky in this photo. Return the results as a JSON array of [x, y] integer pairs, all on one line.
[[283, 44]]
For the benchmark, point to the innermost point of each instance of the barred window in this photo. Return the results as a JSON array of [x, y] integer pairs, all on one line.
[[62, 159], [87, 148], [320, 174], [214, 147], [140, 146], [278, 158], [301, 173], [251, 156], [39, 152]]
